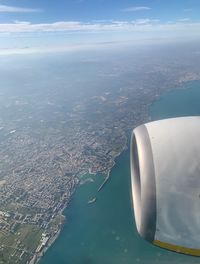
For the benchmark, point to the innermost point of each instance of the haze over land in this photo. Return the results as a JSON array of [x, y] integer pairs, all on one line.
[[66, 115]]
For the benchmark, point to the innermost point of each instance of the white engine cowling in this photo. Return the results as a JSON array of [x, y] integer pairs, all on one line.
[[165, 173]]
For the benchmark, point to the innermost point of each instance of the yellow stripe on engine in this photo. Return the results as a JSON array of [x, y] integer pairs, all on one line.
[[178, 249]]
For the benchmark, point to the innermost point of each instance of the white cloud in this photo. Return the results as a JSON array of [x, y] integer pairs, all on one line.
[[145, 21], [147, 25], [184, 19], [14, 9], [136, 8], [25, 26], [22, 22]]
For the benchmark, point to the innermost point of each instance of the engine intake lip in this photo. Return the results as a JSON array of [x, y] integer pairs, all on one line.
[[143, 183]]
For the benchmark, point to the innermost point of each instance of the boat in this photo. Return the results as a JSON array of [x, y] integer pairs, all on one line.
[[92, 200]]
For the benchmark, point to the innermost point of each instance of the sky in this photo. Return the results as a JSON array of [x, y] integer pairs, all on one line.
[[45, 25]]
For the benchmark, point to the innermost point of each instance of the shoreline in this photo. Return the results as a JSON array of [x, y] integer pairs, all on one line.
[[38, 256]]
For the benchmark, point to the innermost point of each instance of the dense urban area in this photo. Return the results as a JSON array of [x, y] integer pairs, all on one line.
[[48, 144]]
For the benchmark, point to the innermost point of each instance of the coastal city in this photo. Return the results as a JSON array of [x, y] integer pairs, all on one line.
[[46, 149]]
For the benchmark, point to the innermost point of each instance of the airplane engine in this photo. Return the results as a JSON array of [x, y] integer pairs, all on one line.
[[165, 180]]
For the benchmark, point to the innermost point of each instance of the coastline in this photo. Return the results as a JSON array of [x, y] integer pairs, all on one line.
[[38, 256], [107, 175]]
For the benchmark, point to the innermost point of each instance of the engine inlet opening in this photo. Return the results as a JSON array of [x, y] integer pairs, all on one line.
[[136, 182]]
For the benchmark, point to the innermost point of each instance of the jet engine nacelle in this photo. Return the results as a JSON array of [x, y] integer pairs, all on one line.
[[165, 174]]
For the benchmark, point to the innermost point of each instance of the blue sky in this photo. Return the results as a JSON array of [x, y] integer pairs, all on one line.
[[89, 10], [56, 24]]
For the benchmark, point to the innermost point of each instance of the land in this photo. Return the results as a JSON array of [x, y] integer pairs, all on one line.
[[46, 147]]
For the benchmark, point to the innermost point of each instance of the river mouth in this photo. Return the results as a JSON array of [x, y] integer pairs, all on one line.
[[104, 231]]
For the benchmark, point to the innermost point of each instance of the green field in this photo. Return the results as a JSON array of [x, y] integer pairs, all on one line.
[[20, 246]]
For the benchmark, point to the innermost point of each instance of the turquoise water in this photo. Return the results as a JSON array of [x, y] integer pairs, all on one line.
[[104, 232], [184, 102]]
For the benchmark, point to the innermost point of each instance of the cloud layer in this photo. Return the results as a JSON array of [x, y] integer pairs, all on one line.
[[77, 26]]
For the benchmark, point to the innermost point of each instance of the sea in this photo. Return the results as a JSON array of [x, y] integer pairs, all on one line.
[[104, 232]]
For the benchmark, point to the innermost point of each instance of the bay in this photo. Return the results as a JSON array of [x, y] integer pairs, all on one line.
[[104, 231]]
